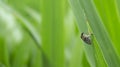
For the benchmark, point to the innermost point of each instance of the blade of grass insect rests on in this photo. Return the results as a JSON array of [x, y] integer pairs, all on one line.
[[108, 12], [98, 54], [82, 24], [52, 31], [100, 33], [79, 14]]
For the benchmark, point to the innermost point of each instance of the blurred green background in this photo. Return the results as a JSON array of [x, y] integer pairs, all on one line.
[[46, 33]]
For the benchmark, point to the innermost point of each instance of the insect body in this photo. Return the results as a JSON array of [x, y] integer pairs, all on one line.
[[86, 38]]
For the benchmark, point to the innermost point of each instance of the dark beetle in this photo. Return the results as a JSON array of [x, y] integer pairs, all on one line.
[[86, 38]]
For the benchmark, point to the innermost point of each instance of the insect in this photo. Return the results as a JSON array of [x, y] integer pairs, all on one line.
[[86, 38]]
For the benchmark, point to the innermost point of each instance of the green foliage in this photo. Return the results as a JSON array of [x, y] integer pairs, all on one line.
[[46, 33], [105, 43]]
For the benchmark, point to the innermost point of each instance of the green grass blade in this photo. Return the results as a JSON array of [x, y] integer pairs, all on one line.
[[77, 54], [99, 56], [36, 58], [109, 14], [35, 16], [25, 24], [84, 61], [30, 29], [82, 25], [20, 55], [52, 31], [4, 59], [100, 33]]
